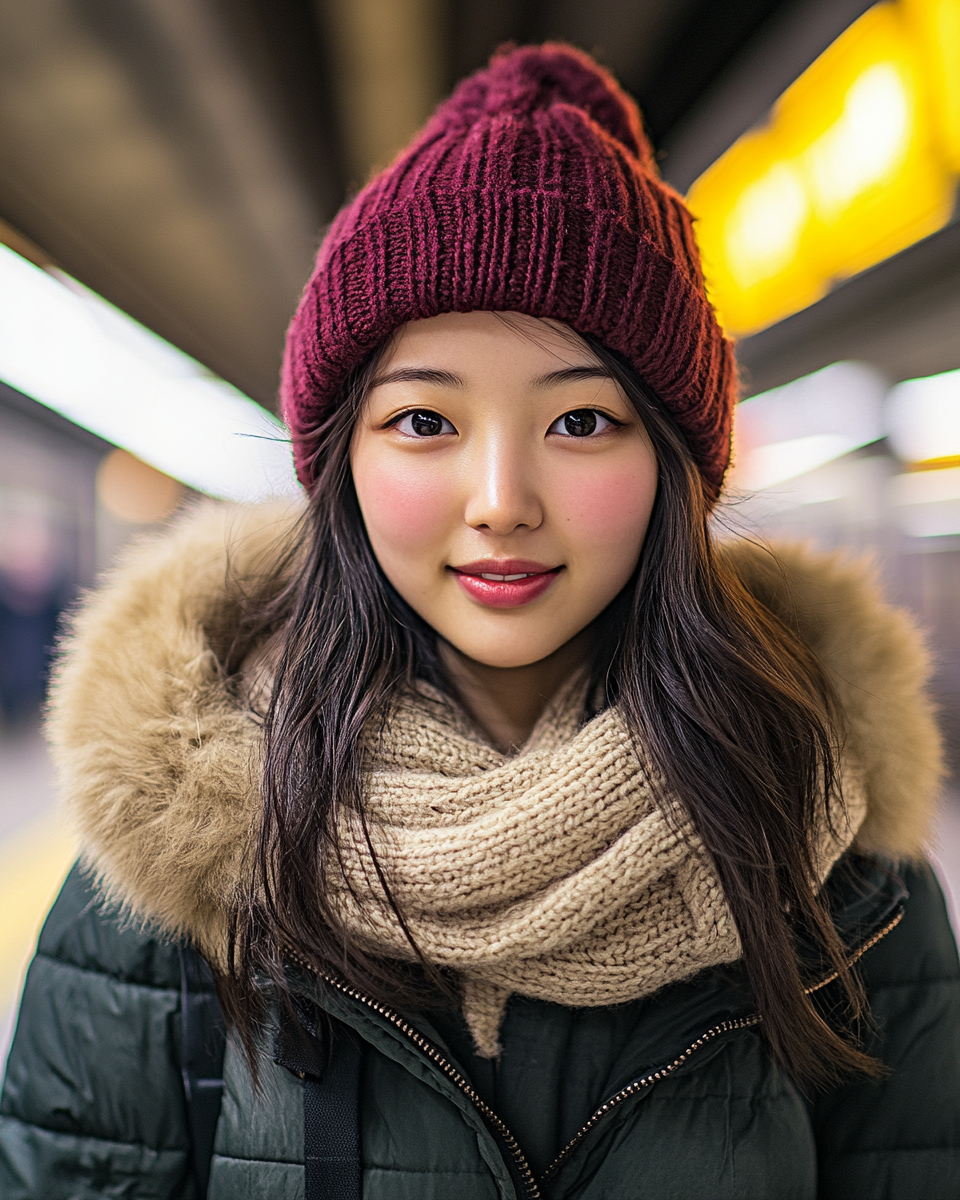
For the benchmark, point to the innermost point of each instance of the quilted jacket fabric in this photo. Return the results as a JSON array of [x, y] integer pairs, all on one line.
[[93, 1104]]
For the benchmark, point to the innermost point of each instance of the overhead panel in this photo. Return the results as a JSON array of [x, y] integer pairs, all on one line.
[[859, 159]]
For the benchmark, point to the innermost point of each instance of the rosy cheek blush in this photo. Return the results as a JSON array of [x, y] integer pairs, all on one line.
[[404, 510], [612, 505]]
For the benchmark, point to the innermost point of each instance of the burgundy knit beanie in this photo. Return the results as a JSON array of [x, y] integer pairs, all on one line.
[[532, 189]]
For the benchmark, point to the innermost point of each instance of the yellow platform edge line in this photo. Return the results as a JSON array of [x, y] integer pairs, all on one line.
[[34, 861]]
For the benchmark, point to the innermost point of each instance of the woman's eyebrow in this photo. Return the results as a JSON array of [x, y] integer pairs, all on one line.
[[419, 375], [571, 375]]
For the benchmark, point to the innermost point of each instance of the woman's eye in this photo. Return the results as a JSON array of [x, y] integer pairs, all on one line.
[[422, 423], [581, 423]]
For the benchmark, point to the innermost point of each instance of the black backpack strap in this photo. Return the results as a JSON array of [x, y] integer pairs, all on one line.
[[203, 1042], [330, 1069]]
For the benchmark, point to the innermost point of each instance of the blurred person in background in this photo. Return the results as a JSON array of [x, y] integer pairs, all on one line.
[[533, 843], [33, 591]]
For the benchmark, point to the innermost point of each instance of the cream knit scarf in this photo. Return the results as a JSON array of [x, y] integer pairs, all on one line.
[[554, 873]]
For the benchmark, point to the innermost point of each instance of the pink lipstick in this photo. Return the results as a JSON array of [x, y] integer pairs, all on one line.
[[505, 582]]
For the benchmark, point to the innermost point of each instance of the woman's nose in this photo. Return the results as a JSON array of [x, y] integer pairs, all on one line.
[[502, 494]]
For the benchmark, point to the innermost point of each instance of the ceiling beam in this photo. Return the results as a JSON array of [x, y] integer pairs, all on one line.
[[387, 58]]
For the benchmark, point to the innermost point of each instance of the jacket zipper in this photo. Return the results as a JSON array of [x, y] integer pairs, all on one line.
[[647, 1081], [724, 1027], [531, 1188], [858, 953], [532, 1191]]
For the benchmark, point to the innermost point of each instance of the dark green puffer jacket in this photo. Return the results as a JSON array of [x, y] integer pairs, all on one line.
[[672, 1097]]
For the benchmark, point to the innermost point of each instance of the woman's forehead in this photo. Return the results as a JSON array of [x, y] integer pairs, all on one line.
[[517, 337]]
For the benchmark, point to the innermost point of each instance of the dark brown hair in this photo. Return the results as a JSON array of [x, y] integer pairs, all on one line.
[[712, 684]]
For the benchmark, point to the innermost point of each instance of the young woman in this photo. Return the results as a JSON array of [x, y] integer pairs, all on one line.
[[538, 844]]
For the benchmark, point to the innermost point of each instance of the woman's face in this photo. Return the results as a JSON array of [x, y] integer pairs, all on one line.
[[505, 482]]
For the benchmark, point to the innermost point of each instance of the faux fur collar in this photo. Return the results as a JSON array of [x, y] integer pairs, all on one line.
[[158, 761]]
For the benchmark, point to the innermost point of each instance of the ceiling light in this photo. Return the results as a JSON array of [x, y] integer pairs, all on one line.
[[796, 428], [923, 419], [859, 159], [72, 351]]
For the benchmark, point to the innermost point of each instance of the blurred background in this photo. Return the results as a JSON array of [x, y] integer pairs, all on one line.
[[167, 168]]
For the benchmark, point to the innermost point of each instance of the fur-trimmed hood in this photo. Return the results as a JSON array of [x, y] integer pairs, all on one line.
[[158, 759]]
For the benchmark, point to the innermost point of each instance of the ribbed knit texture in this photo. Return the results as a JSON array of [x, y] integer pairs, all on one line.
[[532, 189], [555, 874]]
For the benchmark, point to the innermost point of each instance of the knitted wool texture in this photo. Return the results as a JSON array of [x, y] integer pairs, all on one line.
[[532, 189], [555, 873]]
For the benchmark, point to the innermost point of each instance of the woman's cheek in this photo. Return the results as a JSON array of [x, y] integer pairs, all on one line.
[[606, 512], [405, 506]]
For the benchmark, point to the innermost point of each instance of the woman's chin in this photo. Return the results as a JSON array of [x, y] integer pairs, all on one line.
[[494, 656], [503, 648]]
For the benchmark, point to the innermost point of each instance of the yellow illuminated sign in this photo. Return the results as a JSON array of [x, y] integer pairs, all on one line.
[[859, 159]]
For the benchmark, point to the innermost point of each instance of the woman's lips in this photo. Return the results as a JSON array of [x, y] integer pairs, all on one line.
[[505, 583]]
